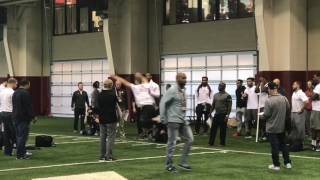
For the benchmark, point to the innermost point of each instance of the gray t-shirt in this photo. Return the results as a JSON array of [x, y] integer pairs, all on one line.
[[222, 103], [276, 110]]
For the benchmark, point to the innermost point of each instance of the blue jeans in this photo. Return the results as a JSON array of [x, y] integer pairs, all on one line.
[[22, 130], [173, 133]]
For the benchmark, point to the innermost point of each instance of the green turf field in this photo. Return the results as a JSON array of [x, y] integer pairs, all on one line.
[[74, 154]]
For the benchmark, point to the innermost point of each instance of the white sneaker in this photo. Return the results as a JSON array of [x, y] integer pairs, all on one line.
[[288, 166], [275, 168]]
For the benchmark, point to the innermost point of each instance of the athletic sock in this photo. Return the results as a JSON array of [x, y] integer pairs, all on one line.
[[313, 142]]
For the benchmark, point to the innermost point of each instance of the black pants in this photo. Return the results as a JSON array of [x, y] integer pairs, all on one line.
[[218, 122], [201, 110], [137, 119], [79, 112], [277, 142], [146, 114], [22, 133], [9, 134]]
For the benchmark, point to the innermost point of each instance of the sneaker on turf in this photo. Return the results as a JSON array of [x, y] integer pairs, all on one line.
[[273, 167], [28, 153], [185, 167], [248, 137], [25, 157], [171, 169], [102, 159], [288, 166], [318, 149]]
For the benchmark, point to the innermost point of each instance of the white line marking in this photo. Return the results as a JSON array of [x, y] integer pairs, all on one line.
[[76, 142], [204, 148], [57, 135], [97, 162]]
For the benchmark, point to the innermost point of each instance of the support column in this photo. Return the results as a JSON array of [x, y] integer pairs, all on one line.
[[282, 36]]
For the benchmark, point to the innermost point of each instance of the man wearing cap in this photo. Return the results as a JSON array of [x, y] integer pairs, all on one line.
[[276, 111]]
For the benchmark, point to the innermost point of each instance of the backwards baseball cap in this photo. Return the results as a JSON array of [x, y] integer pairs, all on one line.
[[272, 85]]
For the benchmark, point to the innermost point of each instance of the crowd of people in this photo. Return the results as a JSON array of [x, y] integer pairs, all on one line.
[[16, 115], [262, 104]]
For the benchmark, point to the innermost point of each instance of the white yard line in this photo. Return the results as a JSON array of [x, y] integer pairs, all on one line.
[[97, 162], [59, 135], [141, 143]]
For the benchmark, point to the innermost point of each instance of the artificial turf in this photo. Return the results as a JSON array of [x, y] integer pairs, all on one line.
[[207, 162]]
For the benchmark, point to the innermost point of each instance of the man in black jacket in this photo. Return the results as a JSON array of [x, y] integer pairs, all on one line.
[[78, 105], [22, 115], [107, 101]]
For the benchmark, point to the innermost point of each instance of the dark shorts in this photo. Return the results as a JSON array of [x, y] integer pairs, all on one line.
[[146, 114]]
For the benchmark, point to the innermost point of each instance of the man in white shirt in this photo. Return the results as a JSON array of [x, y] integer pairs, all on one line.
[[315, 114], [252, 106], [2, 86], [298, 118], [154, 87], [6, 115], [204, 98], [145, 100], [262, 91]]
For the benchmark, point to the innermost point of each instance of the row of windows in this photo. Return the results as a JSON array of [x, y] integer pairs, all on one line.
[[77, 16], [226, 67], [65, 76], [189, 11]]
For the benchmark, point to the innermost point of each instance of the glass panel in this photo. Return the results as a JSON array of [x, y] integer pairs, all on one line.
[[209, 10], [71, 19], [198, 61], [188, 89], [228, 75], [214, 75], [84, 19], [246, 59], [97, 77], [224, 9], [170, 75], [76, 67], [56, 90], [76, 78], [97, 65], [88, 89], [184, 62], [86, 66], [186, 11], [213, 61], [86, 78], [66, 79], [229, 60], [231, 89], [170, 62], [66, 67], [56, 67], [59, 20], [67, 90], [246, 8], [189, 103], [56, 78], [197, 75], [56, 101], [245, 73]]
